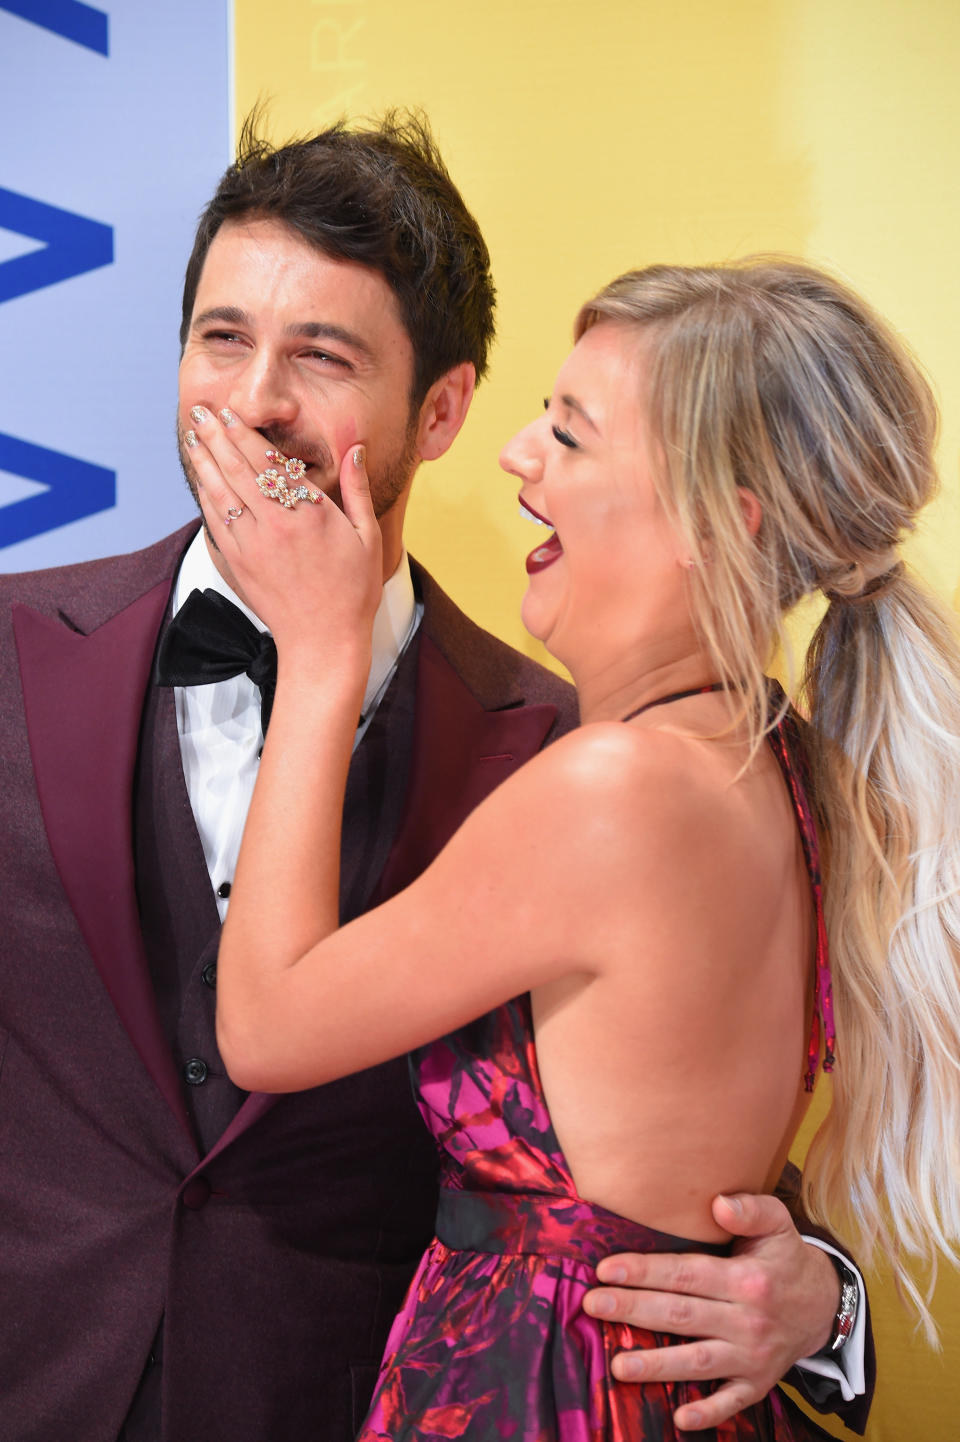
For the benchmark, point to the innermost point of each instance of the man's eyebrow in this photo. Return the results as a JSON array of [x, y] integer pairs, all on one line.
[[227, 314], [325, 330], [573, 404]]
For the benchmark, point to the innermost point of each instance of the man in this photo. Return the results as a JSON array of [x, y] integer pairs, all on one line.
[[178, 1260]]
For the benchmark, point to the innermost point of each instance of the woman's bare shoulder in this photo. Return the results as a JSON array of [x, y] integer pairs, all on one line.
[[599, 761], [619, 787]]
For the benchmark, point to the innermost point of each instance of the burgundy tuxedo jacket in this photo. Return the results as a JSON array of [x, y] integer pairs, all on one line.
[[273, 1237]]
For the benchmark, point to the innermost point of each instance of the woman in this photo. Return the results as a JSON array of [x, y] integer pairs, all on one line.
[[720, 443]]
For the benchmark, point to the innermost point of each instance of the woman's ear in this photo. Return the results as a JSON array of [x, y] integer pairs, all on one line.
[[750, 508]]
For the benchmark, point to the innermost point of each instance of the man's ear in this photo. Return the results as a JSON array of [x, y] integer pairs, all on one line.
[[750, 508], [444, 410]]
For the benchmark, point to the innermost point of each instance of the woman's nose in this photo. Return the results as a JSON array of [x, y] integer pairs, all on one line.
[[523, 455]]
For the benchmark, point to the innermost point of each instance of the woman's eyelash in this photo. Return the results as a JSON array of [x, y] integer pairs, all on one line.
[[564, 437]]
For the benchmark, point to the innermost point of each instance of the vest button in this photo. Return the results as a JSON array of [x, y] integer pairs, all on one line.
[[209, 974], [223, 890], [196, 1193], [195, 1072]]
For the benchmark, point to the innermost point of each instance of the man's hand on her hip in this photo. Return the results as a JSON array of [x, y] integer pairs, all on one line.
[[753, 1314]]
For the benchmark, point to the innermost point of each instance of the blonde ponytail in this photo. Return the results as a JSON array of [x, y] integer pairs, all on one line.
[[881, 687]]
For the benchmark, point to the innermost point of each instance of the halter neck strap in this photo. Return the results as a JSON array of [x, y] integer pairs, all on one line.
[[675, 696]]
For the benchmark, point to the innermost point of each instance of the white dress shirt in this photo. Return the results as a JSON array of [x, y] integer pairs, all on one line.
[[219, 723]]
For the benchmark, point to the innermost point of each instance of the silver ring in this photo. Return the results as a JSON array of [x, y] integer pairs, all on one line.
[[233, 514]]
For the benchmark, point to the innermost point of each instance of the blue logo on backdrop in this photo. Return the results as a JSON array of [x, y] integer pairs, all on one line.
[[72, 245], [74, 489], [74, 21]]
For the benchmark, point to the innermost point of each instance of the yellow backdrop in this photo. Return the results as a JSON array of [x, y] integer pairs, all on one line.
[[592, 138]]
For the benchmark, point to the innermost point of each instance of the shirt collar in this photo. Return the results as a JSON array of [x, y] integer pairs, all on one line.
[[393, 625]]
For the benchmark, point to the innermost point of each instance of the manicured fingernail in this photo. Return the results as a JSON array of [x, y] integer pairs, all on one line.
[[191, 438], [199, 414], [358, 457], [613, 1273], [733, 1203], [227, 416], [692, 1420], [600, 1305], [631, 1367]]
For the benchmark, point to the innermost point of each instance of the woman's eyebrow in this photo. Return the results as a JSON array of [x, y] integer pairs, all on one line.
[[573, 404]]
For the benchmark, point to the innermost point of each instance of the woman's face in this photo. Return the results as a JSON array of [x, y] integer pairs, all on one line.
[[612, 572]]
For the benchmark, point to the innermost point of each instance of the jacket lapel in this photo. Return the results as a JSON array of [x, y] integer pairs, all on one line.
[[83, 696], [460, 753], [376, 789]]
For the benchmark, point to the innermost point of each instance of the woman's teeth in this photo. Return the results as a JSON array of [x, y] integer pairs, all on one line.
[[529, 514]]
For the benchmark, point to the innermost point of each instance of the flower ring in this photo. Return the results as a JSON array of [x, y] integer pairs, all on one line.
[[294, 467], [275, 488]]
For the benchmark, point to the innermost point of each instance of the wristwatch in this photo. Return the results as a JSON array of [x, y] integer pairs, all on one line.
[[843, 1322]]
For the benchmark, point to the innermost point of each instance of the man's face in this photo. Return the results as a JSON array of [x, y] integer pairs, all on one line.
[[308, 350]]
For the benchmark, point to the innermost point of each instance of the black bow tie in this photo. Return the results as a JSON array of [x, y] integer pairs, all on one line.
[[210, 639]]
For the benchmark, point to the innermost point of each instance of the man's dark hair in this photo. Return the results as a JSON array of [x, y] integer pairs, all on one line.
[[381, 197]]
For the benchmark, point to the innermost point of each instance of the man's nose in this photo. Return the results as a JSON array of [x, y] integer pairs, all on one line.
[[262, 393]]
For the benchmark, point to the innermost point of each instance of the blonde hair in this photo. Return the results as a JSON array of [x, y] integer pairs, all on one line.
[[770, 376]]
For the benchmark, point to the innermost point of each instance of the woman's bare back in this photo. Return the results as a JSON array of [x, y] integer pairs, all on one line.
[[677, 1072]]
